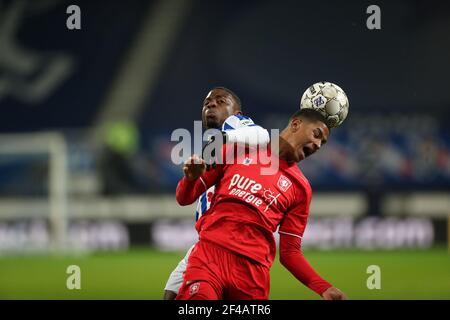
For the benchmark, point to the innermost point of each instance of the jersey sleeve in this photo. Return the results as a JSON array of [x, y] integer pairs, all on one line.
[[188, 191], [294, 222], [242, 129], [291, 232], [237, 121], [292, 258]]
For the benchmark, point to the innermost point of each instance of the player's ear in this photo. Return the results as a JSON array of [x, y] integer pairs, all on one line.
[[239, 112], [295, 124]]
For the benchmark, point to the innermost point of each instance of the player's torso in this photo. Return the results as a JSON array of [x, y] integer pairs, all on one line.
[[269, 196]]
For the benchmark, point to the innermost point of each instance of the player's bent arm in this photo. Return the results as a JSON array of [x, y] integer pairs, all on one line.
[[196, 180], [291, 257], [188, 191], [252, 136]]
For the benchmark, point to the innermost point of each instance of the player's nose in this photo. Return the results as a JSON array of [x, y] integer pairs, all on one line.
[[316, 145], [212, 104]]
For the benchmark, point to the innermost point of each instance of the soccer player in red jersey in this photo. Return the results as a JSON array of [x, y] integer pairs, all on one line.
[[236, 245]]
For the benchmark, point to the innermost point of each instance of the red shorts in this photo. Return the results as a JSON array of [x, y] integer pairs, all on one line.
[[214, 273]]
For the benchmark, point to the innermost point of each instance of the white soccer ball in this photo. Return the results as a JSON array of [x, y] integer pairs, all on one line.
[[329, 99]]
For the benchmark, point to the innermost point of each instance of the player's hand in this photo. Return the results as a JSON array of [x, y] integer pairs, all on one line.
[[333, 293], [194, 167]]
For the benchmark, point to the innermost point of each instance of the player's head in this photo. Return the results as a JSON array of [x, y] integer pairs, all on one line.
[[306, 133], [219, 104]]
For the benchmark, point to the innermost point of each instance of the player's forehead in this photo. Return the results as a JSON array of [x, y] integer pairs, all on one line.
[[217, 93]]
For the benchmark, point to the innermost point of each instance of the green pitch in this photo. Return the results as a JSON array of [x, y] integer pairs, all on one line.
[[141, 274]]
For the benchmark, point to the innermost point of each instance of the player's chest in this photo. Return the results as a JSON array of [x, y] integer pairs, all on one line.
[[270, 193]]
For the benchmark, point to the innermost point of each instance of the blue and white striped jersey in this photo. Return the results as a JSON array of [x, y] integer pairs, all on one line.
[[231, 123], [237, 121]]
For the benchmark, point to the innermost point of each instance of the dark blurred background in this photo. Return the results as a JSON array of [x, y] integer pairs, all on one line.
[[87, 115], [153, 63]]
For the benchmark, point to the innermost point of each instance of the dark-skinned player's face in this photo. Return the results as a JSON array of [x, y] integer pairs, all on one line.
[[217, 107], [306, 137]]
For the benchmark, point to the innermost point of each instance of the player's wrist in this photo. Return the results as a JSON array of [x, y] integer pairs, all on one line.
[[324, 289], [320, 286], [333, 293], [193, 176]]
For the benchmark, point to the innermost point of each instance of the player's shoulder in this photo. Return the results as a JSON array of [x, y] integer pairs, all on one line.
[[301, 179], [236, 121]]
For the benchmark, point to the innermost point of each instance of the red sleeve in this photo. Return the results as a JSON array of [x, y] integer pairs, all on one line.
[[292, 258], [188, 191], [294, 222]]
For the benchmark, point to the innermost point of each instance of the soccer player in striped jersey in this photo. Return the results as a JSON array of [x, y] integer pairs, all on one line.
[[221, 110]]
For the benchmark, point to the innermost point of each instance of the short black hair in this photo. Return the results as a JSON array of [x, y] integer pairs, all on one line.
[[234, 95], [310, 114]]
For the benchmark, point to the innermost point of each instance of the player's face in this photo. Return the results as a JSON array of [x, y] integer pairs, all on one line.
[[307, 138], [217, 107]]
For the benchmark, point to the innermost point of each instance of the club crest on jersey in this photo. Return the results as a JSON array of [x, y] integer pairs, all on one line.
[[284, 183], [247, 161], [193, 289]]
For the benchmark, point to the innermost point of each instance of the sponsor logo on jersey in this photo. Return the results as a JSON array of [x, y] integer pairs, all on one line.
[[250, 191], [270, 197]]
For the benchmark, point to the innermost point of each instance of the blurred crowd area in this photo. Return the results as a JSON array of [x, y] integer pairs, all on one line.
[[117, 88], [380, 152]]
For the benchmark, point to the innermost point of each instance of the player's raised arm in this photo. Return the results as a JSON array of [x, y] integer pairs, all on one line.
[[251, 136], [242, 130], [196, 180]]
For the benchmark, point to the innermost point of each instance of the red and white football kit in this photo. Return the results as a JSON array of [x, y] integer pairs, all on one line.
[[237, 247]]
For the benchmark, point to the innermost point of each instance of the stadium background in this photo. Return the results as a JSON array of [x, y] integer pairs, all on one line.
[[87, 116]]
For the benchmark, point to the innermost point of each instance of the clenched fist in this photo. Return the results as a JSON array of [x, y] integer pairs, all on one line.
[[194, 167], [333, 294]]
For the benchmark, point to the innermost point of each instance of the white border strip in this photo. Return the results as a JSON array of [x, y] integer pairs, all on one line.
[[290, 234], [204, 184]]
